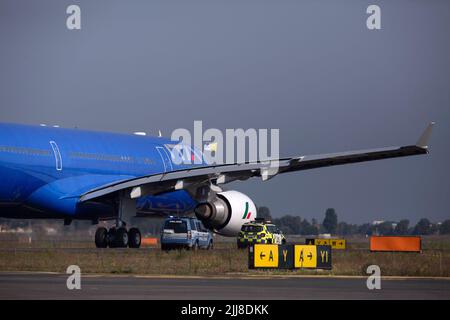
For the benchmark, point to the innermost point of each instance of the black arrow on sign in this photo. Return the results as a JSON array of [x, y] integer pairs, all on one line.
[[310, 256], [262, 255]]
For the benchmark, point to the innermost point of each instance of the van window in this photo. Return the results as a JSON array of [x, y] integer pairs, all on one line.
[[193, 224], [178, 226], [272, 229], [251, 228]]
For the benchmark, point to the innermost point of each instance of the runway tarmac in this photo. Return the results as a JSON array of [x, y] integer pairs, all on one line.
[[53, 286], [141, 250]]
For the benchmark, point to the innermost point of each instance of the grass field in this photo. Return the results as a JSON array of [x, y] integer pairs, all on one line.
[[56, 255]]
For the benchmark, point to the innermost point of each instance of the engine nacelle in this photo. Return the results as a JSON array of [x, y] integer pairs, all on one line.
[[227, 212]]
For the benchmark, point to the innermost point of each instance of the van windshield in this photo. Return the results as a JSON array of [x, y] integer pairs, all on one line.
[[177, 226], [251, 228]]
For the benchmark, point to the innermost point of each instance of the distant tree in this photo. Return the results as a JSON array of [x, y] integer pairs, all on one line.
[[289, 224], [342, 228], [345, 229], [295, 225], [445, 227], [434, 228], [402, 227], [313, 230], [386, 228], [264, 212], [315, 227], [331, 221], [365, 229], [308, 228], [423, 227]]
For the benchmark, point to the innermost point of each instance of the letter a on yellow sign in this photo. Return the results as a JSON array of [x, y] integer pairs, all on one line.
[[266, 256], [305, 256]]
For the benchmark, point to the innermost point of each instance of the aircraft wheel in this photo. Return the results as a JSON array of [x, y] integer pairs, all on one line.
[[112, 237], [101, 238], [121, 238], [134, 237]]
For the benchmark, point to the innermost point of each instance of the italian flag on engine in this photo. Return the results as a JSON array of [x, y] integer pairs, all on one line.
[[247, 213]]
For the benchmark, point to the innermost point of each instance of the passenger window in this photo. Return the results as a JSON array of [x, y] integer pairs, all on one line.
[[199, 227], [193, 227]]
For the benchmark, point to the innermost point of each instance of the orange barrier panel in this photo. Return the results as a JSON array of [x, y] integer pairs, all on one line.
[[149, 241], [404, 244]]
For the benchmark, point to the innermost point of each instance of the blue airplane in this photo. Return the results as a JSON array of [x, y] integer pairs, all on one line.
[[69, 174]]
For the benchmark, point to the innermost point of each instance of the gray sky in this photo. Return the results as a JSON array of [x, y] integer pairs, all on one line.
[[310, 68]]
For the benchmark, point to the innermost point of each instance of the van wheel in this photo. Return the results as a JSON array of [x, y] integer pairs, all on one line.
[[210, 245], [195, 246]]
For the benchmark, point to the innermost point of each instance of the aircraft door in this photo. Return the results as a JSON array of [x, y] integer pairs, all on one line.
[[57, 154], [165, 158]]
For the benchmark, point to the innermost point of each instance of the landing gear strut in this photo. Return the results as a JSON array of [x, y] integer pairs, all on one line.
[[118, 236]]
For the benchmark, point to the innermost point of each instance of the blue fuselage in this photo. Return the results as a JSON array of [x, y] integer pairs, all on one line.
[[44, 170]]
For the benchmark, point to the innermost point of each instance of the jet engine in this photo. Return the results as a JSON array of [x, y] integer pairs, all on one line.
[[227, 212]]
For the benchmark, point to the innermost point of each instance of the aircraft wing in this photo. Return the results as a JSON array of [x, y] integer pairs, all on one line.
[[221, 174]]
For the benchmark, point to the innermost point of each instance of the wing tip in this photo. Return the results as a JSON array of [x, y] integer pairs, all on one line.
[[425, 137]]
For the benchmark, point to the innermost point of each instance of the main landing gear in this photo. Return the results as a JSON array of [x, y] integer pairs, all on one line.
[[117, 238]]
